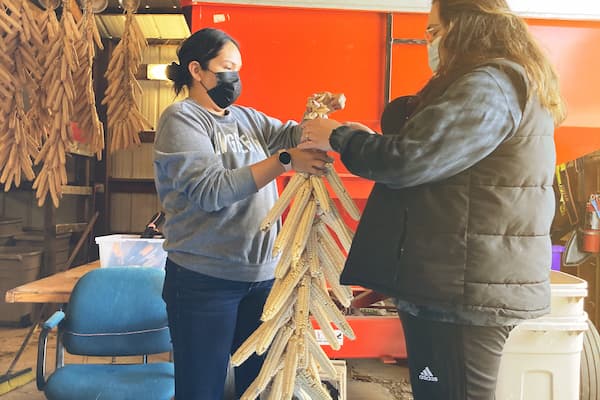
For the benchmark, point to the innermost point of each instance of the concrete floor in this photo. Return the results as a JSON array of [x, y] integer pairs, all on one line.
[[368, 379]]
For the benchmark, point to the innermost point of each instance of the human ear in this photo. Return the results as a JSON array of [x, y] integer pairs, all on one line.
[[195, 70]]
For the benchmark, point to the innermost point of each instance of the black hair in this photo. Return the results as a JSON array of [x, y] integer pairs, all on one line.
[[202, 46]]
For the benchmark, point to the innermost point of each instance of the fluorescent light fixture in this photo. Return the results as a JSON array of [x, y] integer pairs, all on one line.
[[157, 72]]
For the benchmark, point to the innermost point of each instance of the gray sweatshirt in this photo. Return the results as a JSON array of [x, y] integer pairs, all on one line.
[[203, 179]]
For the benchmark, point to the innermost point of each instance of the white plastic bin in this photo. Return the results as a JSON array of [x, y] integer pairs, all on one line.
[[131, 250], [541, 358], [568, 293]]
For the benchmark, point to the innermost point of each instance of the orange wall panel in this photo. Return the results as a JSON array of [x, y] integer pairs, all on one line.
[[290, 53], [410, 71], [572, 47]]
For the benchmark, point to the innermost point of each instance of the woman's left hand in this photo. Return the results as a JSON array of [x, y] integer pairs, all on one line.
[[316, 133]]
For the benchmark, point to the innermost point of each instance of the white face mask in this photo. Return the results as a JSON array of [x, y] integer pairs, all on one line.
[[433, 54]]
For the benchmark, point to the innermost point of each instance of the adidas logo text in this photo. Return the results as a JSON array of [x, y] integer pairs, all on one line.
[[427, 375]]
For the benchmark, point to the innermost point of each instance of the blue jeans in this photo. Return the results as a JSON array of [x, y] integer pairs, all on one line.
[[209, 318]]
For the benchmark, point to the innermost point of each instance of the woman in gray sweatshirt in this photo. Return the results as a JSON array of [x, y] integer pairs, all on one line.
[[215, 165]]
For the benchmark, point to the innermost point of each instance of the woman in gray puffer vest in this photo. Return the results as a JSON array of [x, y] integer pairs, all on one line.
[[457, 226]]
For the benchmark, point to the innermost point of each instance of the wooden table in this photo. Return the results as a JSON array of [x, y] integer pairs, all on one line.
[[55, 288]]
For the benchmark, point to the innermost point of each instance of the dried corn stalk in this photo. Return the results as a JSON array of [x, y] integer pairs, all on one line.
[[310, 259], [125, 120], [86, 114], [19, 74], [60, 65]]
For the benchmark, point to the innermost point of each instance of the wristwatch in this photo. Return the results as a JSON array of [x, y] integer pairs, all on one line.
[[285, 158]]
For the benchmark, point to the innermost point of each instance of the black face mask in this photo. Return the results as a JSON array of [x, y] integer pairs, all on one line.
[[228, 89]]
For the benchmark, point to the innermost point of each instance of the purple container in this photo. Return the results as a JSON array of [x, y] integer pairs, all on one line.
[[557, 251]]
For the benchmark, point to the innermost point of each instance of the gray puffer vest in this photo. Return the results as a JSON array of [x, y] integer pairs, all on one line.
[[475, 242]]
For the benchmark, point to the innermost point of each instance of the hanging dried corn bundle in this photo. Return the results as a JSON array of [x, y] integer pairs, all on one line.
[[310, 259], [38, 114], [19, 74], [125, 120], [60, 65], [85, 114]]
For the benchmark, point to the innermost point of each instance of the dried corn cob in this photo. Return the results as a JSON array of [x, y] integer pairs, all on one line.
[[286, 196], [290, 369], [320, 299], [335, 222], [321, 194], [273, 325], [268, 328], [271, 365], [280, 293], [38, 114], [125, 121], [59, 100], [342, 293], [307, 259], [86, 114], [303, 231], [20, 73], [293, 217], [275, 389], [343, 195], [321, 317], [330, 247], [319, 355], [301, 317], [312, 249], [312, 386]]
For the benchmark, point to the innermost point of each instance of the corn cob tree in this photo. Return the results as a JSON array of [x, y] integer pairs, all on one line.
[[310, 261]]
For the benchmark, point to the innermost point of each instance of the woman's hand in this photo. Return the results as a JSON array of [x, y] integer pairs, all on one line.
[[309, 161], [316, 132]]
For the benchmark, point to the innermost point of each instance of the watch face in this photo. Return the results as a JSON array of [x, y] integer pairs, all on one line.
[[285, 157]]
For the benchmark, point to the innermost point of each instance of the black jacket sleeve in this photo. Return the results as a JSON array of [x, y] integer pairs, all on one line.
[[467, 123]]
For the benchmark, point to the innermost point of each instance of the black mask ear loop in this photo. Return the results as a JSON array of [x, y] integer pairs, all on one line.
[[201, 82]]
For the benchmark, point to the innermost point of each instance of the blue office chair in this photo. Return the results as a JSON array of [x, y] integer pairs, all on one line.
[[112, 312]]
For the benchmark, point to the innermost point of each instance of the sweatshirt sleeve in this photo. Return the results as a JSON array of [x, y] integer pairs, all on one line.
[[467, 123], [278, 135], [185, 161]]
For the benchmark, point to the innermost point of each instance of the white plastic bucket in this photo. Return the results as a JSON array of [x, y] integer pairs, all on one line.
[[541, 358], [568, 293]]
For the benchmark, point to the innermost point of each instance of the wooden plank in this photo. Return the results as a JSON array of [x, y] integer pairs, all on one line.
[[80, 149], [77, 190], [120, 211], [121, 164], [70, 228], [143, 208], [132, 186], [56, 288]]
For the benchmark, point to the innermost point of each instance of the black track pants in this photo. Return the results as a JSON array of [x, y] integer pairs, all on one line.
[[453, 362]]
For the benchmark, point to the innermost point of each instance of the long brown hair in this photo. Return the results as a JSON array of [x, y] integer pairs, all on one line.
[[478, 31]]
